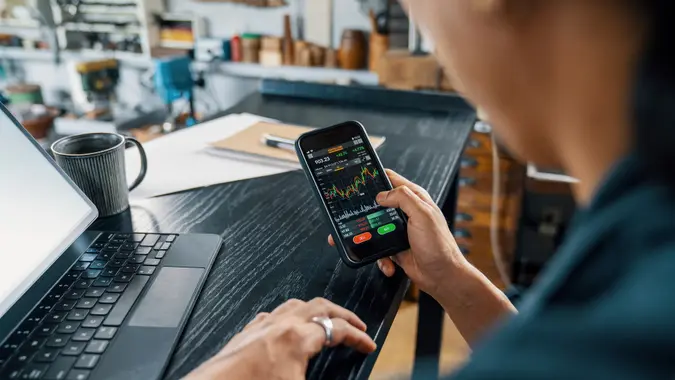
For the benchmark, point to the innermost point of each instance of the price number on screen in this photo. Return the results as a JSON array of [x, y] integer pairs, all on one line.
[[322, 160]]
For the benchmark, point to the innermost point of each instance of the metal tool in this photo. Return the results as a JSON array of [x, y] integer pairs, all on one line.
[[98, 80], [278, 142], [173, 81]]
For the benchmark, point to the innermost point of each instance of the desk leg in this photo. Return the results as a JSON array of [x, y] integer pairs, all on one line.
[[431, 314]]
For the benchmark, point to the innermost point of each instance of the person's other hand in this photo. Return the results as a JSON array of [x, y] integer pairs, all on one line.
[[433, 252], [278, 345]]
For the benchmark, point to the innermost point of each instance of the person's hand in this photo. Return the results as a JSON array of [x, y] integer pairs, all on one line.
[[278, 345], [433, 252]]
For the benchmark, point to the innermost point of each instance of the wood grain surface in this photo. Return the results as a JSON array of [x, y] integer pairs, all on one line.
[[275, 238]]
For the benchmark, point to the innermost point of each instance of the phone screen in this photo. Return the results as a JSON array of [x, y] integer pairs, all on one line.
[[349, 177]]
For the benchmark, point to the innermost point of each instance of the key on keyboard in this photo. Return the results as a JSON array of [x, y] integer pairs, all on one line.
[[96, 346], [143, 250], [93, 321], [75, 294], [87, 361], [78, 374], [59, 369], [101, 309], [77, 315], [150, 240], [83, 335], [68, 327], [97, 264], [94, 292], [109, 298], [73, 348], [46, 355]]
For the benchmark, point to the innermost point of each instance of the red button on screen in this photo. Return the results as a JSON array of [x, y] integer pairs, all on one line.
[[358, 239]]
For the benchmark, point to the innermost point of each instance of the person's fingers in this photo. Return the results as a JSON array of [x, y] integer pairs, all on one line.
[[318, 307], [321, 307], [257, 320], [343, 333], [287, 306], [346, 334], [386, 266], [331, 242], [405, 199], [398, 180]]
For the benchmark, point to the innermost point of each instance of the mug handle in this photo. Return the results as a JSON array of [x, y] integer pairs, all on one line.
[[144, 161]]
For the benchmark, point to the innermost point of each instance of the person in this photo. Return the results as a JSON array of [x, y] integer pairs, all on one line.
[[585, 85]]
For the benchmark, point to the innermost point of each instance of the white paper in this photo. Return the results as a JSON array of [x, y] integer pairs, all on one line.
[[184, 160]]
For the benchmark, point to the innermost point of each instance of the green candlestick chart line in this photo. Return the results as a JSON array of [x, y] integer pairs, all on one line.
[[353, 188]]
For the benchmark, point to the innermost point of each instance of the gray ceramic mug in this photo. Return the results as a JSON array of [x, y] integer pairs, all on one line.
[[95, 162]]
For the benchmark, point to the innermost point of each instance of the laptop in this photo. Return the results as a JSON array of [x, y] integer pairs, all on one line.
[[76, 304]]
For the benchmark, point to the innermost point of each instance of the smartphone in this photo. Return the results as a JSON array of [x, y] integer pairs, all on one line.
[[346, 176]]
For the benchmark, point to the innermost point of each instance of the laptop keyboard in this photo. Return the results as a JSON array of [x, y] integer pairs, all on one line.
[[65, 336]]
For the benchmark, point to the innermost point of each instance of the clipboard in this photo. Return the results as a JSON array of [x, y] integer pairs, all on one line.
[[249, 141]]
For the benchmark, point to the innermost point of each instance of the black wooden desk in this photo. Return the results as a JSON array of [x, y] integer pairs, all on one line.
[[275, 238]]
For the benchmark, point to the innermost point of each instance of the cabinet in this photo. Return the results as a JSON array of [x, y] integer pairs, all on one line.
[[127, 26], [474, 205]]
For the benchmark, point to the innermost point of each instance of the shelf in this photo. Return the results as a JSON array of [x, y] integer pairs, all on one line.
[[14, 23], [19, 53], [108, 2], [109, 9], [101, 28], [235, 69], [294, 73], [126, 58], [176, 45]]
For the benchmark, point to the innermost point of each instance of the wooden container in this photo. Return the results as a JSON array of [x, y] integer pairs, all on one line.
[[300, 58], [331, 59], [271, 58], [318, 55], [271, 43], [288, 44], [379, 45], [38, 127], [303, 57], [352, 54], [400, 70], [250, 46]]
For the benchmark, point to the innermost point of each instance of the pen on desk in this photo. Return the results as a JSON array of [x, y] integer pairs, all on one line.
[[278, 142]]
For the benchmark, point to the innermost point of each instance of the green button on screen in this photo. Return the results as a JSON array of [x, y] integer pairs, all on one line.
[[387, 228]]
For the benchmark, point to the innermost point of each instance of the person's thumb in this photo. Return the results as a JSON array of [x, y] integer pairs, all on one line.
[[405, 199]]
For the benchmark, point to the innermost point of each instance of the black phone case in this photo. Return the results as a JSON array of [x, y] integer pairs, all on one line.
[[317, 193]]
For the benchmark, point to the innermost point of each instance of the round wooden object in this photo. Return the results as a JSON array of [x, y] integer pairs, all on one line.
[[353, 48]]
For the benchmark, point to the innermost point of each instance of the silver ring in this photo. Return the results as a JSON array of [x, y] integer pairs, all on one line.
[[327, 325]]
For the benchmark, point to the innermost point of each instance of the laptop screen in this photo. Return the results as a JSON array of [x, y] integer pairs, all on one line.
[[41, 212]]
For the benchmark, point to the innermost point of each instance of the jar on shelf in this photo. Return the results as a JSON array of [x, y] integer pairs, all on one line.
[[250, 46]]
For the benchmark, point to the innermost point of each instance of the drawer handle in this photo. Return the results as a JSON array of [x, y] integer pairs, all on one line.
[[463, 217], [465, 251], [468, 162], [463, 233], [466, 181]]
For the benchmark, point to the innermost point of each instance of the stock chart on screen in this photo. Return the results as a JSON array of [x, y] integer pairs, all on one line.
[[349, 181]]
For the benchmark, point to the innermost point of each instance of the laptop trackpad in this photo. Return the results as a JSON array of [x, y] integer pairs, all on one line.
[[167, 299]]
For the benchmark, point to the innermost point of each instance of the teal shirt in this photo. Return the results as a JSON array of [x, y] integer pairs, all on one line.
[[604, 308]]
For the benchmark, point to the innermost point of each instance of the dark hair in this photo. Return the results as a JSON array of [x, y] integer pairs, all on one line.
[[654, 96]]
